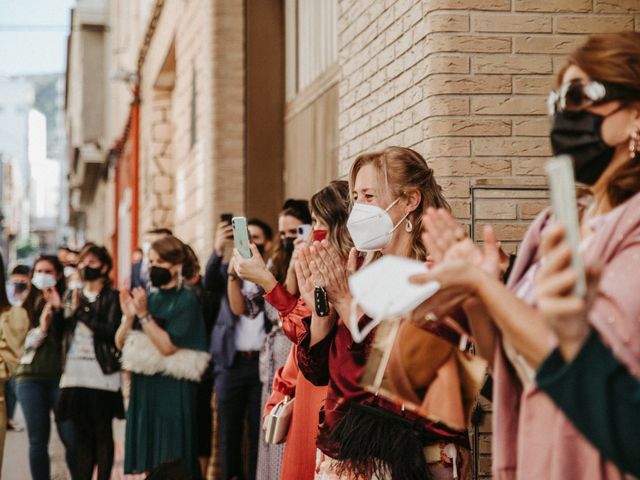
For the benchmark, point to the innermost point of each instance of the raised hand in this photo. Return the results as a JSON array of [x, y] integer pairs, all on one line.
[[126, 304], [253, 269], [224, 235], [305, 278], [298, 245], [52, 297], [440, 233], [332, 271], [487, 257], [140, 301], [46, 316], [565, 313]]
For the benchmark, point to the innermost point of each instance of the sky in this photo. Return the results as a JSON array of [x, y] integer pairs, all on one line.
[[33, 36]]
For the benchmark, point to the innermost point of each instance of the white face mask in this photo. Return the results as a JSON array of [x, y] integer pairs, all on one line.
[[69, 270], [371, 228], [42, 281], [383, 291], [75, 285]]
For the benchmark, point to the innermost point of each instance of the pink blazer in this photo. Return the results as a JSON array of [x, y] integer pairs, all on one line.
[[532, 438]]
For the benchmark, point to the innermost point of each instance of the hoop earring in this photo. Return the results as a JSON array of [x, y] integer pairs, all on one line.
[[634, 144], [408, 226]]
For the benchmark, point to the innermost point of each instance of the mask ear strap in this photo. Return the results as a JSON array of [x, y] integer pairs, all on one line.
[[357, 334], [393, 204], [399, 223], [401, 220]]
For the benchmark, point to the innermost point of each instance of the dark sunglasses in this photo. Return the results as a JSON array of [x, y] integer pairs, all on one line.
[[578, 94]]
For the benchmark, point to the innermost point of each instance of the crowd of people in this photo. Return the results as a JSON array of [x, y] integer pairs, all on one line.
[[200, 363]]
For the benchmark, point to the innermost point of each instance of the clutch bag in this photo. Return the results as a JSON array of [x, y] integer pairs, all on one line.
[[278, 421]]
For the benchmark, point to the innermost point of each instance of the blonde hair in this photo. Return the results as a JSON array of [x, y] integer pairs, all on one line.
[[400, 170]]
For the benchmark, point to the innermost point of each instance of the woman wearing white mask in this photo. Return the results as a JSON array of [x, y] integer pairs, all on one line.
[[361, 435], [38, 375]]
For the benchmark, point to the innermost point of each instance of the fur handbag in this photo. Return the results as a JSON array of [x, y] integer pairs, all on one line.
[[140, 355]]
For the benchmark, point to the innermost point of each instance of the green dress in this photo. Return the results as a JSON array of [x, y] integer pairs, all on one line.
[[161, 423]]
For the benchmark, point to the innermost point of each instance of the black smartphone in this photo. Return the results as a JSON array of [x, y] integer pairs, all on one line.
[[226, 218]]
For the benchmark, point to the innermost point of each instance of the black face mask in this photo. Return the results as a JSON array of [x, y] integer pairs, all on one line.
[[159, 276], [260, 248], [287, 244], [577, 133], [20, 287], [89, 274]]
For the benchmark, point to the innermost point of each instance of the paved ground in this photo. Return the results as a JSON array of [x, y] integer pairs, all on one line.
[[16, 450]]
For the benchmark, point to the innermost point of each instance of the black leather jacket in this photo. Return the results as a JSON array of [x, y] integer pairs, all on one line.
[[103, 318]]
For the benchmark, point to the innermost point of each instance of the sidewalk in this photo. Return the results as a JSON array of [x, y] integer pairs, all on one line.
[[15, 465], [16, 455]]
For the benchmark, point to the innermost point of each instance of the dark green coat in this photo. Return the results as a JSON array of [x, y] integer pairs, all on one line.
[[602, 399]]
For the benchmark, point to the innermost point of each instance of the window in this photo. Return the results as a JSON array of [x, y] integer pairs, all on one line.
[[310, 41]]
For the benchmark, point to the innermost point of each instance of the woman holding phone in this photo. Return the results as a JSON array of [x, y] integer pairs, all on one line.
[[583, 376], [329, 212], [38, 375], [276, 347], [596, 120]]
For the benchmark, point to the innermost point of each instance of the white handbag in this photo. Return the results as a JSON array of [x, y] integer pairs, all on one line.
[[278, 421]]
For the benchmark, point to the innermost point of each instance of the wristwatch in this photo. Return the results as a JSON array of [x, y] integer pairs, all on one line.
[[144, 319]]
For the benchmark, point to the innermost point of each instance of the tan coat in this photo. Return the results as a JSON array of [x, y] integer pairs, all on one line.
[[14, 325]]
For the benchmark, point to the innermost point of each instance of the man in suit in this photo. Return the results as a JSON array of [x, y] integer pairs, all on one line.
[[236, 340]]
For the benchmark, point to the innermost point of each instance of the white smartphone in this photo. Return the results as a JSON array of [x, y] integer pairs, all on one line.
[[241, 236], [563, 201], [304, 231]]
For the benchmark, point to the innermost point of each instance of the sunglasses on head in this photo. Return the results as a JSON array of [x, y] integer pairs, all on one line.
[[578, 94]]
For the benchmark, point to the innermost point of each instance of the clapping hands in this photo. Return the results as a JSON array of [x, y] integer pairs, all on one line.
[[565, 313]]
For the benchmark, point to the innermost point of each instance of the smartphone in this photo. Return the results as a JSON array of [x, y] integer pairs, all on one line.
[[563, 201], [241, 236], [304, 232], [226, 218]]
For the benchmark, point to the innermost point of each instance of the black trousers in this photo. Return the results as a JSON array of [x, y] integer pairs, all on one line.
[[94, 447], [238, 390]]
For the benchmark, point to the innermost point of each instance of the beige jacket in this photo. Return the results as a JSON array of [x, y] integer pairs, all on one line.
[[14, 325]]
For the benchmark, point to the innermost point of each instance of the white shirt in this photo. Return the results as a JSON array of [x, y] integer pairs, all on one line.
[[81, 368], [249, 333]]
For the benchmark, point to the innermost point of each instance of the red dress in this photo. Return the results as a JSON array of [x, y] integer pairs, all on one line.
[[299, 458]]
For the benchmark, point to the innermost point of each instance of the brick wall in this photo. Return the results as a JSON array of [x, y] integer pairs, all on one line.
[[464, 82], [227, 108], [192, 207], [184, 185]]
